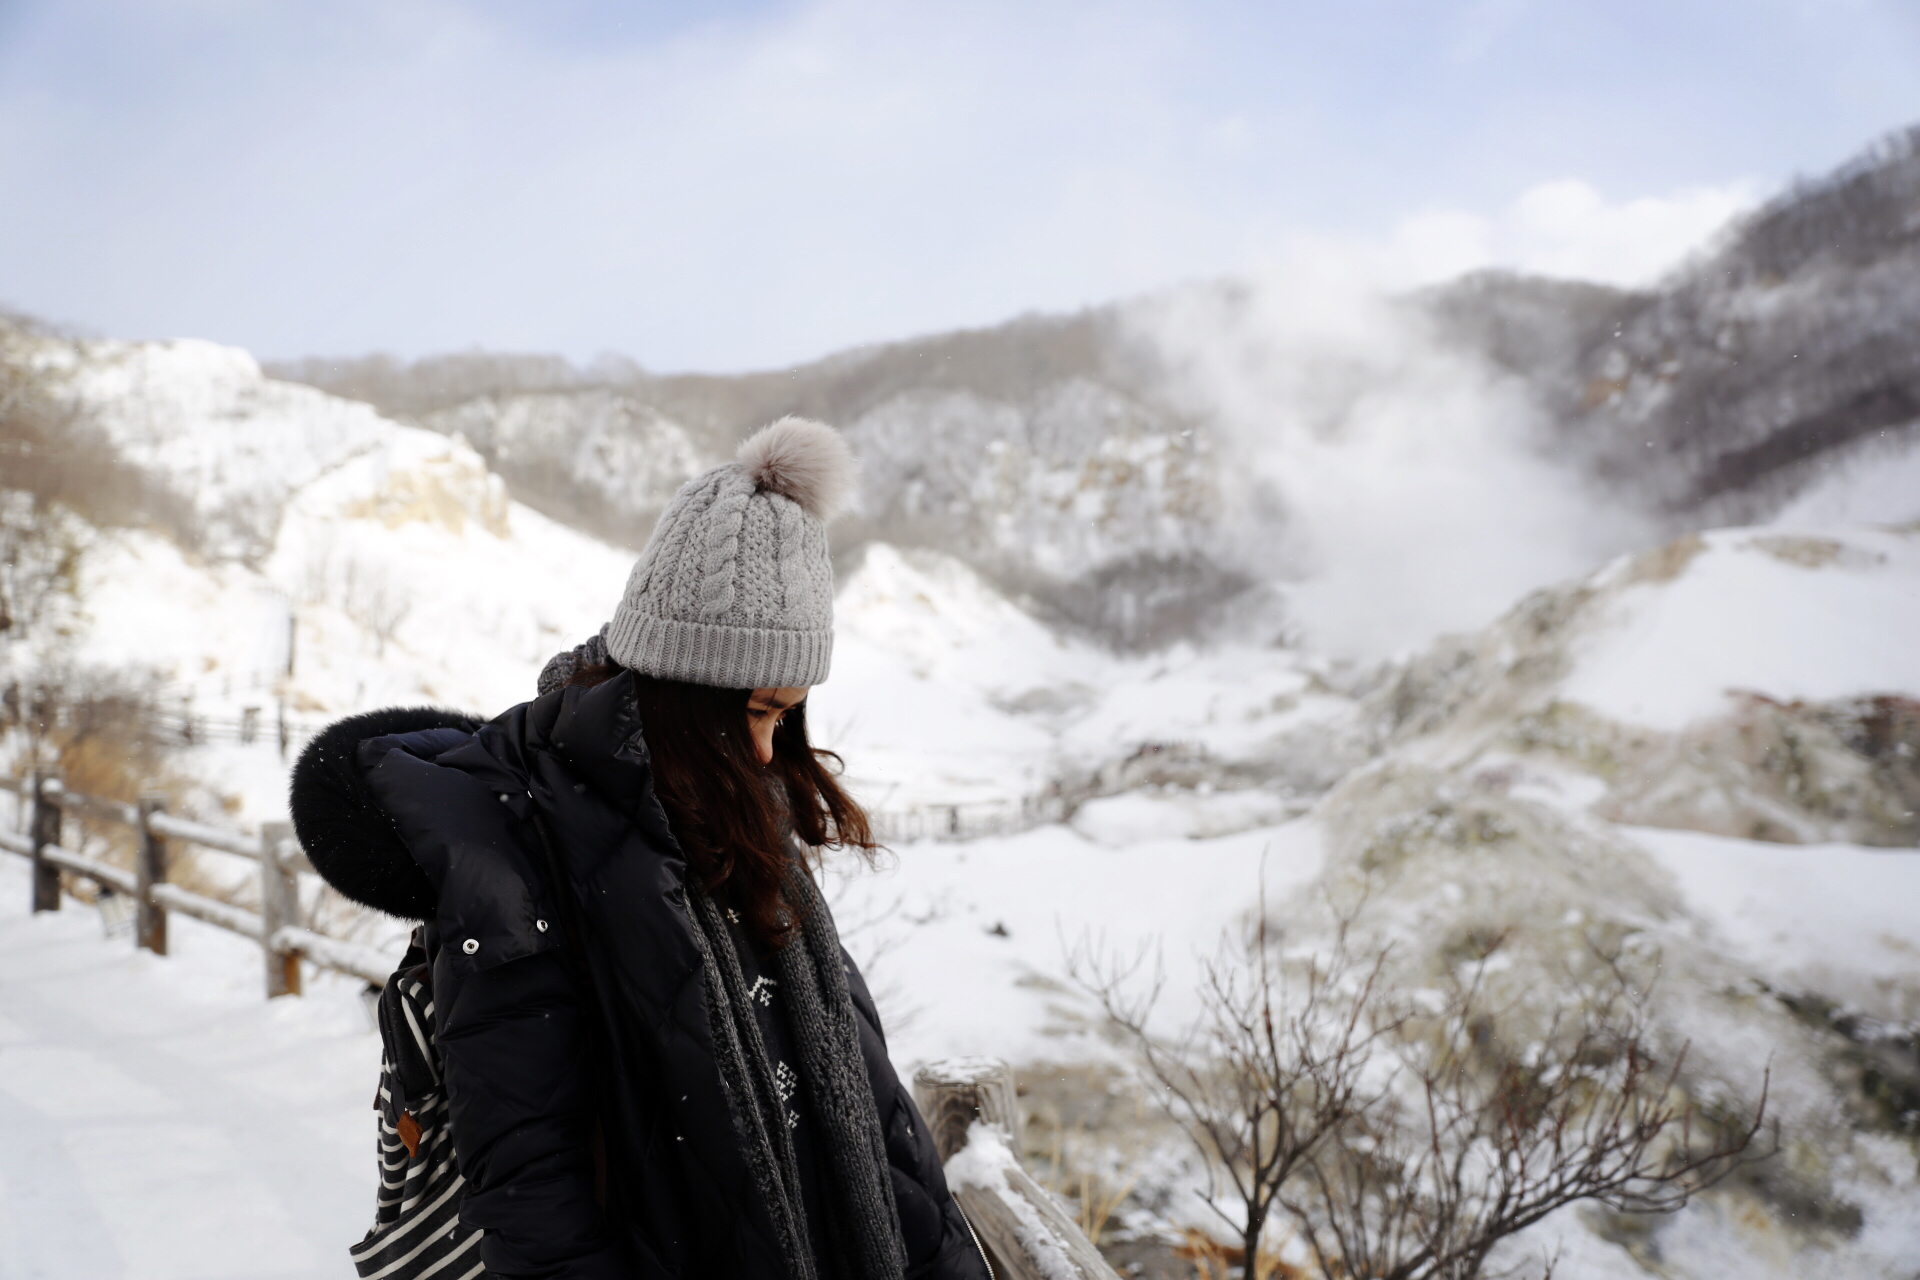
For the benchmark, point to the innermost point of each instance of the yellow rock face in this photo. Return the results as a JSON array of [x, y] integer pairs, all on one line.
[[448, 490]]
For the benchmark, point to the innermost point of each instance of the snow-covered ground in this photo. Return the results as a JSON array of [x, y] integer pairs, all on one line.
[[967, 942], [1834, 918], [163, 1120], [176, 1124], [1788, 611]]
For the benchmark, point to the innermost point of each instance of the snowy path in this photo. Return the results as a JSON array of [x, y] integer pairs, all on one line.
[[160, 1119]]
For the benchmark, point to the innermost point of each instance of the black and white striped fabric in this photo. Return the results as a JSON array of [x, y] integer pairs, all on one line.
[[416, 1226]]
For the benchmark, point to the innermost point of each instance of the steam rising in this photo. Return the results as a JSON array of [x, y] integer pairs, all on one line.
[[1390, 484]]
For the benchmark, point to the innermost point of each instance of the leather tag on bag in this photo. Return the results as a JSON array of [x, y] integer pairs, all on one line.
[[409, 1130]]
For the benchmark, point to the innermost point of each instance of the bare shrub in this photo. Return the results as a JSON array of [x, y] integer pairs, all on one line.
[[1274, 1067], [51, 449], [370, 596], [95, 730], [39, 565], [1403, 1136]]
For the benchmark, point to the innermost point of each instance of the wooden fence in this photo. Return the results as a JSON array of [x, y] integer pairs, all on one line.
[[283, 941], [277, 927], [968, 821], [1023, 1230]]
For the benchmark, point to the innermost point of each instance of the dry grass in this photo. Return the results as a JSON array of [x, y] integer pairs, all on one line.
[[1215, 1261], [92, 732]]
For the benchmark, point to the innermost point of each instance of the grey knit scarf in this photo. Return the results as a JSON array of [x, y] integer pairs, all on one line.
[[866, 1222]]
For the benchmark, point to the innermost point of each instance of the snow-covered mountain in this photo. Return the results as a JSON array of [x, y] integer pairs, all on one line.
[[1753, 372], [1159, 468]]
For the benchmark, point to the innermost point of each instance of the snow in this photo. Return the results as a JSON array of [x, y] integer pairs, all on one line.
[[165, 1120], [1876, 486], [922, 654], [1813, 615], [162, 1118], [403, 575], [1133, 816], [1832, 918], [392, 567], [944, 693], [138, 1086], [409, 571], [984, 1163], [966, 944], [201, 417]]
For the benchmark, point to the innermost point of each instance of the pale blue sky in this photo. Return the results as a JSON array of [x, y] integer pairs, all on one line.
[[735, 185]]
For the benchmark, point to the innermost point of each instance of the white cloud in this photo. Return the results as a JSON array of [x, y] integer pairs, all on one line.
[[1567, 228]]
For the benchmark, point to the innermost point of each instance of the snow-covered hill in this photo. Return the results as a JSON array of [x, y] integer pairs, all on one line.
[[1168, 466], [334, 560], [338, 561], [1748, 682]]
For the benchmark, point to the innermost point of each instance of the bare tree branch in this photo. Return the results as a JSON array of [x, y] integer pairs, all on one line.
[[1403, 1142]]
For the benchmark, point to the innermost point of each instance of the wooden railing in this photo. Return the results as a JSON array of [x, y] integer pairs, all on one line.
[[972, 1109], [283, 941], [968, 821]]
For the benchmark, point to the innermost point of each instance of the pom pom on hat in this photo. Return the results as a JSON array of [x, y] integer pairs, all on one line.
[[803, 460]]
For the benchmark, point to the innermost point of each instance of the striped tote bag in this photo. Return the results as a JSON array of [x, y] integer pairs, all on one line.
[[416, 1225]]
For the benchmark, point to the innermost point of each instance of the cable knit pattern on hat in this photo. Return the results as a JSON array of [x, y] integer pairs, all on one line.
[[735, 588], [724, 519]]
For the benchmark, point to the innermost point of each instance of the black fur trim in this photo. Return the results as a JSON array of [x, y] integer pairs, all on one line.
[[346, 834]]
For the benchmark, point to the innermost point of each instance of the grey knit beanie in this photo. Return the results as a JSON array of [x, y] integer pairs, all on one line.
[[735, 589]]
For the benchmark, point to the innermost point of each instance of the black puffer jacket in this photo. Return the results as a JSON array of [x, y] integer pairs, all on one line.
[[570, 1006]]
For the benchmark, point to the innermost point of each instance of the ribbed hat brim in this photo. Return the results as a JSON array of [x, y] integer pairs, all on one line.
[[722, 656]]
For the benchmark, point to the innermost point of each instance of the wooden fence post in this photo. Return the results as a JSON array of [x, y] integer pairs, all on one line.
[[150, 869], [279, 909], [955, 1093], [44, 830], [1022, 1229]]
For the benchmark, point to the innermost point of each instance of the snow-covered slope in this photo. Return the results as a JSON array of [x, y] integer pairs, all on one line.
[[343, 561], [1631, 754], [202, 420], [1798, 616], [1751, 682], [944, 694]]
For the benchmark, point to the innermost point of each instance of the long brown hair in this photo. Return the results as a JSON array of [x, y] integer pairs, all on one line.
[[731, 813]]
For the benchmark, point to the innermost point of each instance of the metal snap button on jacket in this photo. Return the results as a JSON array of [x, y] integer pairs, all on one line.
[[470, 946]]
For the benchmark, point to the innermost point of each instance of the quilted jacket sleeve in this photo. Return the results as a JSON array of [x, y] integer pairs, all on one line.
[[520, 1100]]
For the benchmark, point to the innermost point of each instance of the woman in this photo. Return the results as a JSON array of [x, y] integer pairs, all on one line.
[[658, 1059]]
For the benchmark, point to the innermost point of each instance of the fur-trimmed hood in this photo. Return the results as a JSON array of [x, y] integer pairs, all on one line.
[[348, 837]]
